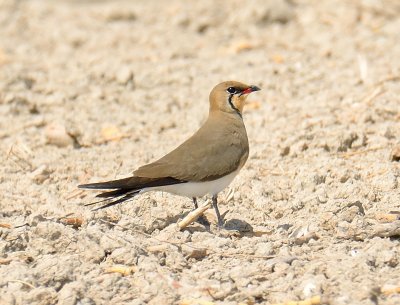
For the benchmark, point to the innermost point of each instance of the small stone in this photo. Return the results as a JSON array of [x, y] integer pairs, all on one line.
[[40, 174], [285, 151], [395, 154], [389, 134], [319, 178], [264, 249], [344, 177], [281, 267], [124, 256], [388, 257], [111, 133], [121, 15], [347, 142], [56, 134], [124, 75], [359, 205], [277, 12], [194, 252]]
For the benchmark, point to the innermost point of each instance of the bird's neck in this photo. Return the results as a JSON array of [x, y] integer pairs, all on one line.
[[225, 115], [226, 120]]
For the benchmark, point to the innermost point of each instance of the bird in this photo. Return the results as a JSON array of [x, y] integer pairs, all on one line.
[[204, 164]]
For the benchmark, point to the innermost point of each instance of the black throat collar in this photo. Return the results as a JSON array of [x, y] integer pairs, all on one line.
[[233, 106]]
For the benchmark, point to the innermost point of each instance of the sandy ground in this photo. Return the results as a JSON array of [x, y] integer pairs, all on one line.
[[90, 91]]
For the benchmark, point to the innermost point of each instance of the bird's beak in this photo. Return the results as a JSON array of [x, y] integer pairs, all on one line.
[[250, 90]]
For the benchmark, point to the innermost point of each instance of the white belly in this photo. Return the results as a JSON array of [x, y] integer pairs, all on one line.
[[196, 189]]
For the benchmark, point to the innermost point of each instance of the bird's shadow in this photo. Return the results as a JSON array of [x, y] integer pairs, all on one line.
[[239, 225], [200, 225]]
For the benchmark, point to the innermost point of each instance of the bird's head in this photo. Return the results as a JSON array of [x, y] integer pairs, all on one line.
[[230, 96]]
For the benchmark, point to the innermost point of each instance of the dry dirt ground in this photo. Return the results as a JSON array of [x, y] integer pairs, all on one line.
[[91, 90]]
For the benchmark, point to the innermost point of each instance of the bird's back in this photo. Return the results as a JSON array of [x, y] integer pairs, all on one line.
[[218, 148]]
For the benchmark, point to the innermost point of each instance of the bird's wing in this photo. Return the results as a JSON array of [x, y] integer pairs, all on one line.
[[211, 153], [129, 184]]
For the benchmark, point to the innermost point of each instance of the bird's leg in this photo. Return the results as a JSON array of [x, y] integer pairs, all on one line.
[[195, 202], [202, 220], [215, 205]]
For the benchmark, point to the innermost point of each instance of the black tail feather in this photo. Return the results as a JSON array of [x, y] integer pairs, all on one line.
[[100, 201], [115, 202], [124, 189], [115, 193]]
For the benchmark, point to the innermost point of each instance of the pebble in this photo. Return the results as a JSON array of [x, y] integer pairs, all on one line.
[[56, 134], [395, 154], [40, 174], [124, 75]]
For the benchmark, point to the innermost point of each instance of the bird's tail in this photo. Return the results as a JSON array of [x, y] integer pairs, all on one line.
[[124, 189]]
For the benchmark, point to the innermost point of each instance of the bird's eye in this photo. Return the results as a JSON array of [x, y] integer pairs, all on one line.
[[231, 90]]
